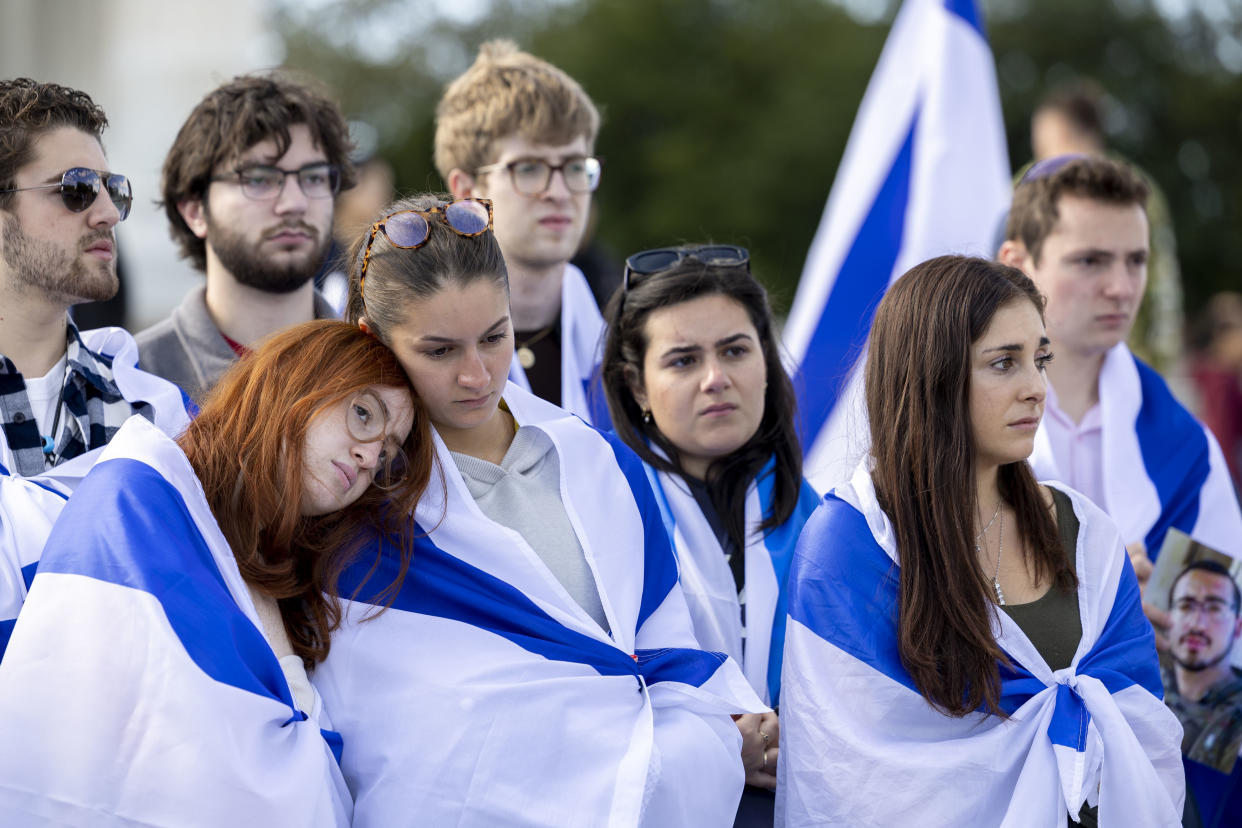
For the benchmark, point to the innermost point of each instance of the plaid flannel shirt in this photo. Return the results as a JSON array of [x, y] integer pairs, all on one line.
[[93, 409]]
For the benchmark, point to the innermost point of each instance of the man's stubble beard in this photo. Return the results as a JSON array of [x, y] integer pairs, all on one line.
[[42, 267]]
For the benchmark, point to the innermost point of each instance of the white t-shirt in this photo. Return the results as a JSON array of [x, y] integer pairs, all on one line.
[[44, 395]]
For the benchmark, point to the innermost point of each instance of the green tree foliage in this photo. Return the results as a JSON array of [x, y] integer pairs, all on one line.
[[1175, 109], [726, 119]]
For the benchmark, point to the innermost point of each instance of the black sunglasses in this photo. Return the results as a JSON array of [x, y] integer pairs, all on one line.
[[80, 186], [660, 259]]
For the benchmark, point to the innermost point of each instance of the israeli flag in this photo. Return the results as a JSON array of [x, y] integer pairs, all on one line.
[[1093, 733], [139, 687], [29, 506], [485, 695], [925, 173]]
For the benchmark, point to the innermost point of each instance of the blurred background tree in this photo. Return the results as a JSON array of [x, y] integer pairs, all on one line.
[[726, 119]]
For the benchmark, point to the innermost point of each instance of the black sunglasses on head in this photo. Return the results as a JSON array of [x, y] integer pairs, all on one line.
[[660, 259], [80, 186]]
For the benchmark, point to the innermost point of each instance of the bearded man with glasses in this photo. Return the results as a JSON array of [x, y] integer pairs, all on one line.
[[1204, 690], [520, 132], [249, 188]]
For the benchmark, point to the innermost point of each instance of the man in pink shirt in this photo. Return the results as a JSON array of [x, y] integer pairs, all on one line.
[[1112, 429]]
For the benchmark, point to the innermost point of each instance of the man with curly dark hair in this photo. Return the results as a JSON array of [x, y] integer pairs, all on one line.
[[62, 392], [249, 188]]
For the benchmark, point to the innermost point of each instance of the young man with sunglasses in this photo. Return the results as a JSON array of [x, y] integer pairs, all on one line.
[[248, 187], [62, 392], [1112, 429], [518, 131]]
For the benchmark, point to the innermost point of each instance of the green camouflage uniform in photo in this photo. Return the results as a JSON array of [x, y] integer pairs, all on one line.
[[1213, 725]]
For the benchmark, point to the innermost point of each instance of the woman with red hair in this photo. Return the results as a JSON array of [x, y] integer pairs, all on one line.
[[157, 673]]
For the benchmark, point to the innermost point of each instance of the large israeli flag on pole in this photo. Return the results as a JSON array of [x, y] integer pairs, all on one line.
[[925, 172]]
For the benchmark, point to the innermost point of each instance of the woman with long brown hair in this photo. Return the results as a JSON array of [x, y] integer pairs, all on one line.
[[967, 646], [157, 673]]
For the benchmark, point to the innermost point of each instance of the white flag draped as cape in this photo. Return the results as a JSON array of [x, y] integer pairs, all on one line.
[[582, 335], [485, 695], [28, 508], [137, 688], [30, 505], [1162, 468], [707, 580], [861, 747]]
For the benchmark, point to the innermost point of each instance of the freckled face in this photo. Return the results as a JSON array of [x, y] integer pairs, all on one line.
[[704, 378], [347, 442], [1007, 384]]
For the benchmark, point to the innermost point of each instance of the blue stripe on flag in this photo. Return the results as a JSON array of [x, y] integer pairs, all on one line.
[[336, 743], [843, 587], [191, 407], [659, 559], [6, 632], [968, 10], [1125, 653], [28, 573], [864, 276], [780, 543], [1068, 726], [46, 487], [127, 525], [597, 402], [1175, 455], [693, 667], [441, 585]]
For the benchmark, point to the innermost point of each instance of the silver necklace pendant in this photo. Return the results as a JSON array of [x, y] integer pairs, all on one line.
[[1000, 595]]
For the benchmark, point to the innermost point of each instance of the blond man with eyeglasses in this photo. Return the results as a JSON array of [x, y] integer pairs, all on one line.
[[518, 131]]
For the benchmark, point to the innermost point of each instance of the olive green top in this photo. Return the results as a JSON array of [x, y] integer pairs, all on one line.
[[1052, 621]]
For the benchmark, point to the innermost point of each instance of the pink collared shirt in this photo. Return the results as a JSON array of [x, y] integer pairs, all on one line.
[[1078, 448]]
